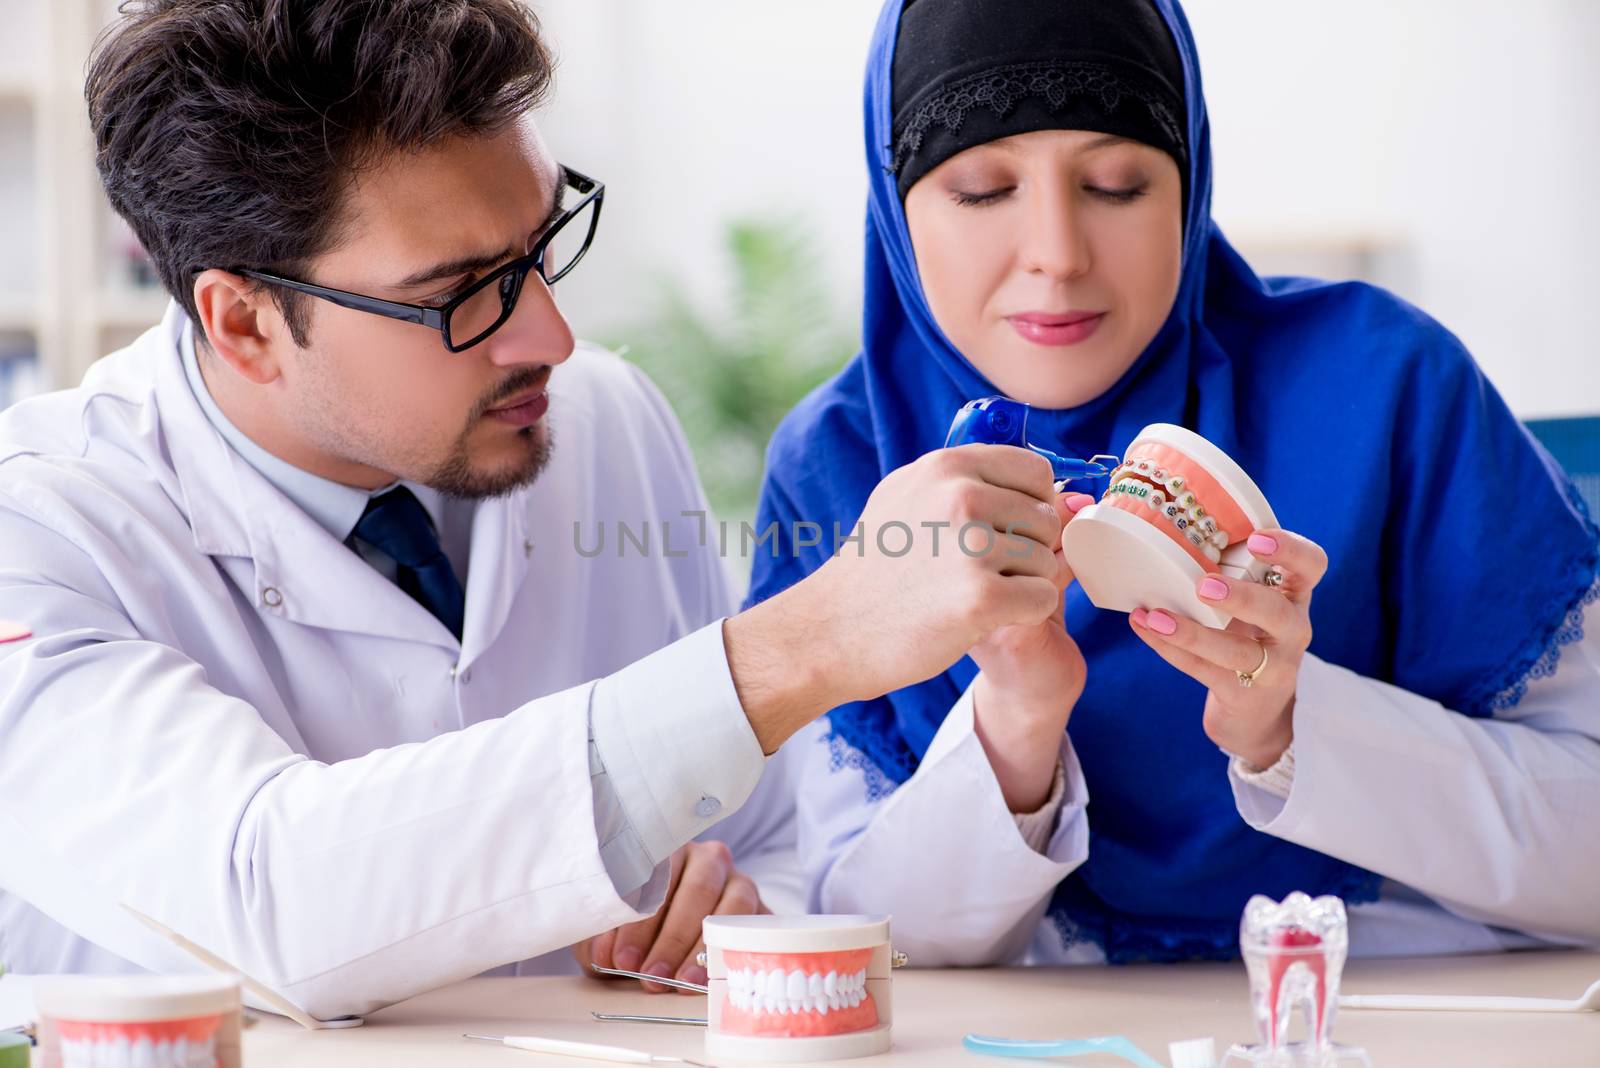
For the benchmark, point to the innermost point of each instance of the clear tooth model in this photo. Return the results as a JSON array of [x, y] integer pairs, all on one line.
[[1294, 952]]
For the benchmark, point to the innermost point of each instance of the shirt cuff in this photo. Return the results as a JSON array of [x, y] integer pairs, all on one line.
[[1035, 826], [621, 851], [1276, 780], [672, 746], [1267, 800], [1064, 835]]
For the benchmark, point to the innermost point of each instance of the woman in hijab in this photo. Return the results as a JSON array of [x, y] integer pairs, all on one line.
[[1423, 739]]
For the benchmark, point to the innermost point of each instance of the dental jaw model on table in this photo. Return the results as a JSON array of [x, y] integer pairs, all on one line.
[[789, 988], [797, 988]]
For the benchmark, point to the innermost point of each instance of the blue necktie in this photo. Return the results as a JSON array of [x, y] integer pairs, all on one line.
[[395, 523]]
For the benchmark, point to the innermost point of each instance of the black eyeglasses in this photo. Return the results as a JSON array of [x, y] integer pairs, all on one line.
[[484, 306]]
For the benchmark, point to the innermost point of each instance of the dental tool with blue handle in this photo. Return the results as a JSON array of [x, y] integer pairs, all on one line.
[[1003, 421], [1115, 1045]]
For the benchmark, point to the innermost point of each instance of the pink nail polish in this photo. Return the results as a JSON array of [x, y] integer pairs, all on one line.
[[1140, 616], [1077, 502], [1213, 589], [1262, 544], [1161, 623]]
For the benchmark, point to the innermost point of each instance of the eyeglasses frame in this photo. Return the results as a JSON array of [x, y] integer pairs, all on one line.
[[438, 318]]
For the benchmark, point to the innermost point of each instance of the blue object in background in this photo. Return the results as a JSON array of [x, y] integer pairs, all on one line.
[[1575, 444]]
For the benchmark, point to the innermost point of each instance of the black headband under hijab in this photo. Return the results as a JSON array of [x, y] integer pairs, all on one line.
[[967, 72]]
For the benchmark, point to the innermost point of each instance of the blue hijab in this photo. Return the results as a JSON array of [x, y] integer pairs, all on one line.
[[1370, 430]]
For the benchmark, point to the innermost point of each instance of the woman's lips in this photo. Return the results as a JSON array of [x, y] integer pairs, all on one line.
[[524, 412], [1042, 328]]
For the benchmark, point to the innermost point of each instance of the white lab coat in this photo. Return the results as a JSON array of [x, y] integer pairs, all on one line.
[[1485, 829], [229, 721]]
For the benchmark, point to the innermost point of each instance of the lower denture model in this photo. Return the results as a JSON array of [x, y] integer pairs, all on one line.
[[1177, 508], [797, 988]]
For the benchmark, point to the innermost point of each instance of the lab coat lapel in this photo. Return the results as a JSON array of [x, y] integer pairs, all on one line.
[[499, 566], [301, 572]]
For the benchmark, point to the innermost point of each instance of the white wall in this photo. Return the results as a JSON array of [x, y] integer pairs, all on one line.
[[1460, 137], [697, 111], [1469, 130]]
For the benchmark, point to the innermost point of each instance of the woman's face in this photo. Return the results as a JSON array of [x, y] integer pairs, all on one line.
[[1050, 259]]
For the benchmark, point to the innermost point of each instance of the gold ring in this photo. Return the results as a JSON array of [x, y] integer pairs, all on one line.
[[1274, 577], [1248, 678]]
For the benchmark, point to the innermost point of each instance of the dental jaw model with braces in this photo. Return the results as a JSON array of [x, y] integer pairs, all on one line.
[[1177, 507], [797, 988], [1294, 952]]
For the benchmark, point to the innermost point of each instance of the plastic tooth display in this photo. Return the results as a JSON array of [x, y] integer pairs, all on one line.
[[1294, 952]]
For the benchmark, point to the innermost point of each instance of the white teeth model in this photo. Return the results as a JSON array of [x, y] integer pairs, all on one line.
[[784, 993], [174, 1053]]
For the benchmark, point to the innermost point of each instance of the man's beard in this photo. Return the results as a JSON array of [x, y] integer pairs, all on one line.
[[457, 477]]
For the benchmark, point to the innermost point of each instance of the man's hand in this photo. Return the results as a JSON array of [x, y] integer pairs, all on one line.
[[952, 546], [704, 883]]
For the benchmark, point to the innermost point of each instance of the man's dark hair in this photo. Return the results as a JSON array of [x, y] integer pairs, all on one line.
[[227, 131]]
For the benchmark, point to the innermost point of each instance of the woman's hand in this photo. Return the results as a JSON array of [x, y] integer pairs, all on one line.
[[1031, 677], [1255, 722]]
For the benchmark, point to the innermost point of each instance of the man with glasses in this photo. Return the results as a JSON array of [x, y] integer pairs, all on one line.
[[303, 664]]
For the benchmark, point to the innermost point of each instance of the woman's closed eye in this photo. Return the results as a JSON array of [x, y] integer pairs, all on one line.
[[973, 200], [1110, 194], [1124, 195]]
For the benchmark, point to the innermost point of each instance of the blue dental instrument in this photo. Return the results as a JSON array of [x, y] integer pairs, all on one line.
[[1115, 1045], [1003, 421]]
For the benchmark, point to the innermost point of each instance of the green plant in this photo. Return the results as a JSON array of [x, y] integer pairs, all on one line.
[[731, 375]]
